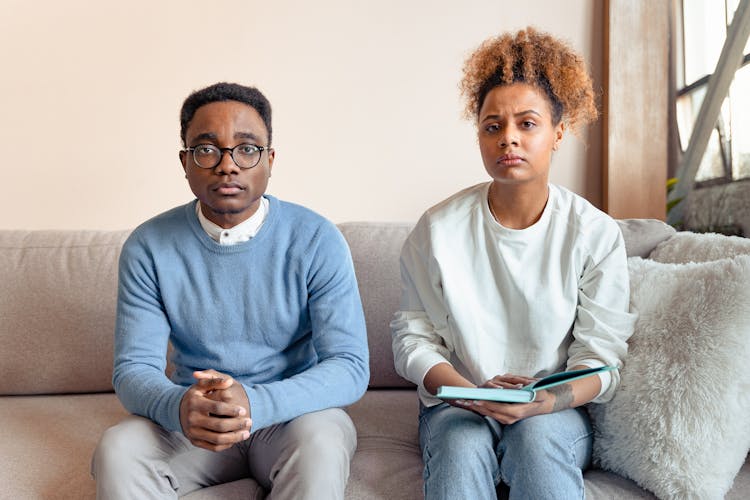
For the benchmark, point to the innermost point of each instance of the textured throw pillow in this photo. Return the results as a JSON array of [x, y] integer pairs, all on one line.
[[679, 424], [699, 247]]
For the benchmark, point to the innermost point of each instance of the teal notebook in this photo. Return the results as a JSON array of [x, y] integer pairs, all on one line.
[[525, 394]]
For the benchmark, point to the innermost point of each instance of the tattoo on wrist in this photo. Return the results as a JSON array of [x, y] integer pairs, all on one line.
[[563, 397]]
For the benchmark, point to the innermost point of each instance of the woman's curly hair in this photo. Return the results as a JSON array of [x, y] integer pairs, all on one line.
[[535, 58]]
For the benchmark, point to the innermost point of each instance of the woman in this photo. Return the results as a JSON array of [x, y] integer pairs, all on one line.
[[515, 276]]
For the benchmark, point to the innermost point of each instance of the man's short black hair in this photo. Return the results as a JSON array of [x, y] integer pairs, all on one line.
[[225, 92]]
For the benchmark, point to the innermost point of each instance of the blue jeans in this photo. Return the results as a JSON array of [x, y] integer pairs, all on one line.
[[467, 455]]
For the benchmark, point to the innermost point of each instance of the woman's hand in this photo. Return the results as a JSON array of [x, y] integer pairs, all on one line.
[[560, 397], [507, 413], [508, 381]]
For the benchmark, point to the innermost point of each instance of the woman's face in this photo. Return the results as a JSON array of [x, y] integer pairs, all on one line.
[[516, 134]]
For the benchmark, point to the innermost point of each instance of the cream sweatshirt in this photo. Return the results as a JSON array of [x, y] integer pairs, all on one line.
[[492, 300]]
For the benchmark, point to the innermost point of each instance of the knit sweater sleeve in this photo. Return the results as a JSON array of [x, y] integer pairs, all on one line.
[[341, 375], [141, 335]]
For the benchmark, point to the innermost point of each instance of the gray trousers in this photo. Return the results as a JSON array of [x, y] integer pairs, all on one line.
[[306, 458]]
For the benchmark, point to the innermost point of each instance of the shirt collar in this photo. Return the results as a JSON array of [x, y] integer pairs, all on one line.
[[237, 234]]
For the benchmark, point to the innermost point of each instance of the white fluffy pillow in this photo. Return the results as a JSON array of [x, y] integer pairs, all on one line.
[[685, 247], [679, 424]]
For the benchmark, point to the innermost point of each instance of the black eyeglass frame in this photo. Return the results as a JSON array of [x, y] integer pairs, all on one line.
[[231, 154]]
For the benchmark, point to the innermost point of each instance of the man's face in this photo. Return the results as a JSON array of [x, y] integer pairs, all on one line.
[[228, 194]]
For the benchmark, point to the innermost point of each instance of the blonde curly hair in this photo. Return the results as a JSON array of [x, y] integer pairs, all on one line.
[[536, 58]]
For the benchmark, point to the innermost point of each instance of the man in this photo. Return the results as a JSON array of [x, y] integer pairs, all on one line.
[[259, 300]]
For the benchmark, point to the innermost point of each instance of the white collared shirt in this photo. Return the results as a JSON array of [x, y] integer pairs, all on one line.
[[241, 232]]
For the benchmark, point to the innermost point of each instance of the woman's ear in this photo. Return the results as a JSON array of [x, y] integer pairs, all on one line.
[[559, 133]]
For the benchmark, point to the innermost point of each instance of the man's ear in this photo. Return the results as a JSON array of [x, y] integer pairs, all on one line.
[[183, 160], [271, 157]]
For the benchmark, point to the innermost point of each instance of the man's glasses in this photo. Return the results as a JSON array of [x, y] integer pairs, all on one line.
[[243, 155]]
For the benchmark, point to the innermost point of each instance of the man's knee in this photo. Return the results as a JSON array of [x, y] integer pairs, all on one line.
[[129, 461], [329, 433], [130, 440], [315, 458]]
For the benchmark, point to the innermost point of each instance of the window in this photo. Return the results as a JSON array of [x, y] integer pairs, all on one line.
[[701, 36]]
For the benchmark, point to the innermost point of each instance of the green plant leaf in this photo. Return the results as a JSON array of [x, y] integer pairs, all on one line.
[[672, 203]]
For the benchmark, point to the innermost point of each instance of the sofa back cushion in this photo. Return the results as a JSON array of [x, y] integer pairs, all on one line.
[[57, 310], [376, 248], [643, 235], [58, 292]]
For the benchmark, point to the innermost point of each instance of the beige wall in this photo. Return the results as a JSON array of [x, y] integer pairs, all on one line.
[[367, 116]]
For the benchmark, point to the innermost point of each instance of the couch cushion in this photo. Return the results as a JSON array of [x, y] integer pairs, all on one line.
[[47, 443], [59, 288], [388, 463], [376, 248], [57, 298], [642, 235]]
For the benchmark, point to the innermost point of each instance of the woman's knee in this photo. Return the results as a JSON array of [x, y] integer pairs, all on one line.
[[564, 434], [454, 432]]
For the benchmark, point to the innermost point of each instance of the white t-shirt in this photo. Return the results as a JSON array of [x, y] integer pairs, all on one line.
[[492, 300]]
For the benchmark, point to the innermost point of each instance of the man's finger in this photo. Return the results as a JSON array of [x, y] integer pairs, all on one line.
[[224, 425], [211, 380], [216, 383], [219, 438], [210, 374]]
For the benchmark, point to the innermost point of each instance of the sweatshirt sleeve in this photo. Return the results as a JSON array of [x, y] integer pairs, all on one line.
[[141, 335], [603, 323], [339, 337], [416, 341]]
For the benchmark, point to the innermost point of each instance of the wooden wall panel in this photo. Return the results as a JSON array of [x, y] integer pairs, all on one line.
[[636, 108]]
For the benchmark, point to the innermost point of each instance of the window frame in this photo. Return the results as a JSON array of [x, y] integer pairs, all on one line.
[[684, 89]]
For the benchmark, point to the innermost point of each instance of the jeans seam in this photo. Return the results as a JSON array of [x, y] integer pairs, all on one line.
[[573, 447], [425, 452], [499, 451], [574, 444]]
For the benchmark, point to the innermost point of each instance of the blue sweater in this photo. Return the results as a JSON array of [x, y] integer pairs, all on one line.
[[280, 313]]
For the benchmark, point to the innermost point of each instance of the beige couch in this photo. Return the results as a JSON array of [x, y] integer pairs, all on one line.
[[57, 304]]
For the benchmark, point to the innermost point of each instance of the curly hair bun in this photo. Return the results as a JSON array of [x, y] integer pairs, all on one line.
[[536, 58]]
